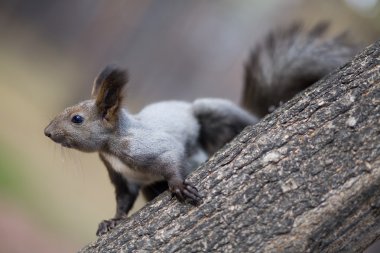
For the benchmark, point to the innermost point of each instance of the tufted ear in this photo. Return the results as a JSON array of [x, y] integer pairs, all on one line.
[[107, 91]]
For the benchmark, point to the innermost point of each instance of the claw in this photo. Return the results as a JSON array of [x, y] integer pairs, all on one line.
[[190, 195], [179, 194], [185, 190], [107, 225]]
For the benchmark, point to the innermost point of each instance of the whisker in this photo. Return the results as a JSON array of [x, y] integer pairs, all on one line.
[[55, 151], [63, 155], [71, 159], [76, 159]]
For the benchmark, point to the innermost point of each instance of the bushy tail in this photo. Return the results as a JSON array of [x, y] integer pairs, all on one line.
[[220, 121], [288, 61]]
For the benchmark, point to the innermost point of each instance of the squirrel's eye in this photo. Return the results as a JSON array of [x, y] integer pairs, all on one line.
[[77, 119]]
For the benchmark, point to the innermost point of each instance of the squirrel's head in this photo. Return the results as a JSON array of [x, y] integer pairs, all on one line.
[[88, 125]]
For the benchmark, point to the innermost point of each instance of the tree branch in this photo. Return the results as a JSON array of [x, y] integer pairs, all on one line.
[[304, 179]]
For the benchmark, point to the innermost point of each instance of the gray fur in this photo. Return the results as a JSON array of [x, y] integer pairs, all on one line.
[[176, 135], [164, 141], [162, 136]]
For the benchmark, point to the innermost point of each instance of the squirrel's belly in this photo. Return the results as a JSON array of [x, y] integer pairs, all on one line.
[[129, 174]]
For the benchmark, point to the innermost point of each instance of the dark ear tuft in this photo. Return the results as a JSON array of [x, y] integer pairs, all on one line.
[[107, 91], [110, 73]]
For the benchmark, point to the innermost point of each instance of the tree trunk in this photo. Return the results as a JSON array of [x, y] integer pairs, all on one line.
[[304, 179]]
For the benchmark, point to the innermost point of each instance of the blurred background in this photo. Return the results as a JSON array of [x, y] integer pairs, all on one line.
[[52, 199]]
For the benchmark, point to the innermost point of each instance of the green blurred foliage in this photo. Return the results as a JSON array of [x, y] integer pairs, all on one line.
[[12, 181]]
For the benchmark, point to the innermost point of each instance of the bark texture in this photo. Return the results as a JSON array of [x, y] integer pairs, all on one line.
[[304, 179]]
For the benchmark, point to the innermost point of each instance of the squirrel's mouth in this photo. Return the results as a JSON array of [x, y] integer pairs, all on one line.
[[60, 139], [66, 144]]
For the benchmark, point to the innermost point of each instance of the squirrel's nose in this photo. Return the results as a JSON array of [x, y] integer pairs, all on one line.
[[47, 133]]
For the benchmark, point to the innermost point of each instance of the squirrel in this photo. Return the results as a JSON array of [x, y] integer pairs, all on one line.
[[158, 147], [165, 141]]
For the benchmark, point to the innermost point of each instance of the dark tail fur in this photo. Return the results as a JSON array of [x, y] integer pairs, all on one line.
[[288, 61], [220, 122]]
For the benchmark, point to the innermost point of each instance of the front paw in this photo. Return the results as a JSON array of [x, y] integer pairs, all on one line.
[[185, 190], [107, 225]]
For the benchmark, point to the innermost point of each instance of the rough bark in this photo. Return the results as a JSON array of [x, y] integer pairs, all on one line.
[[304, 179]]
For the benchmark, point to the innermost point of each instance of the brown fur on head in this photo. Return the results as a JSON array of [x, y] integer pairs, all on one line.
[[88, 125]]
